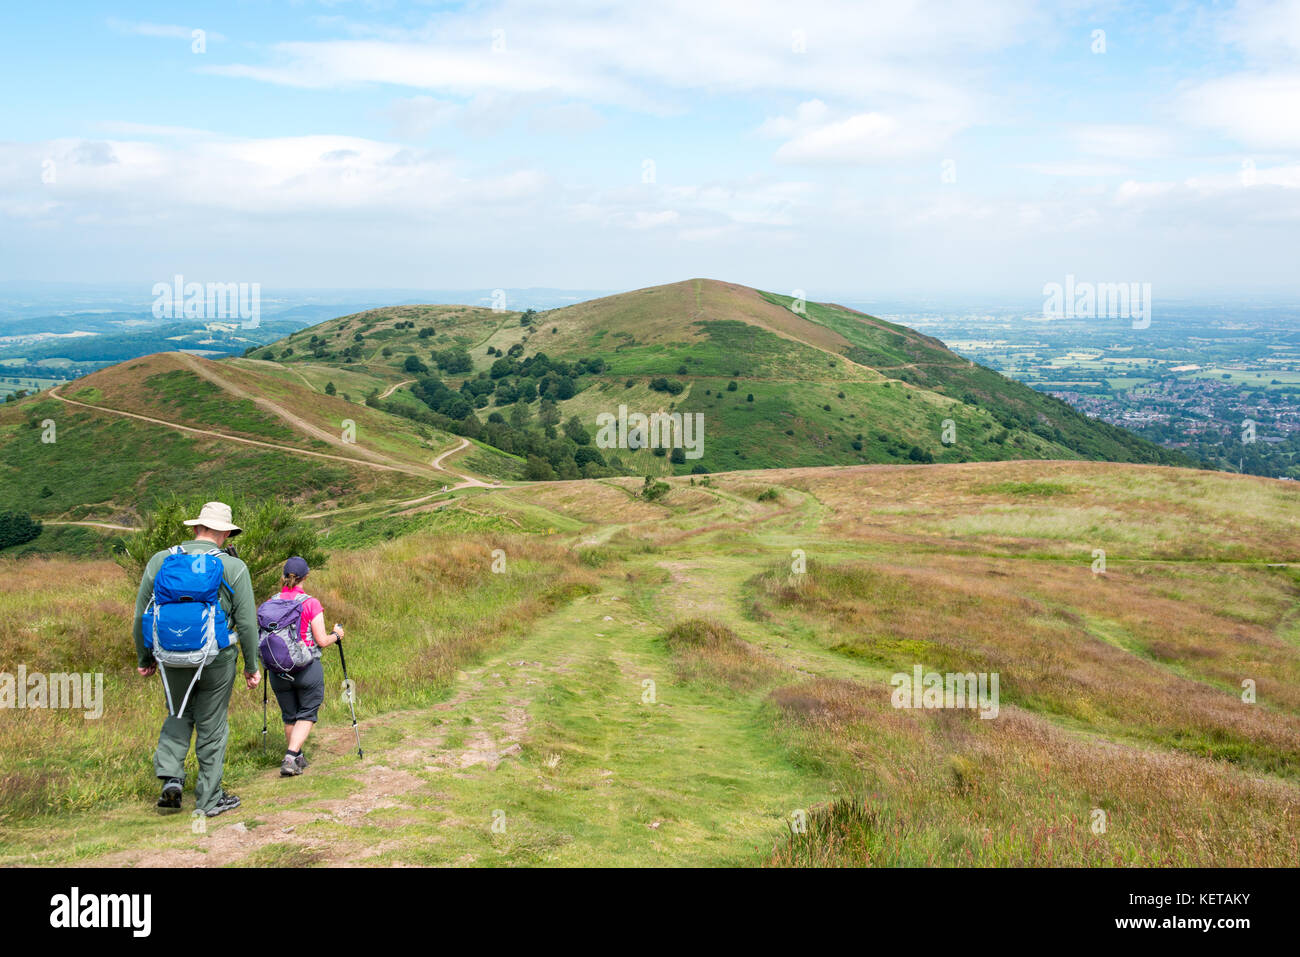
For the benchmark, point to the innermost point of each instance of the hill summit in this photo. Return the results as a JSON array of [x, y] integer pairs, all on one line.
[[779, 382]]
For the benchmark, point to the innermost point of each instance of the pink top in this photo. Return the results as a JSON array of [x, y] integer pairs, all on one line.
[[311, 607]]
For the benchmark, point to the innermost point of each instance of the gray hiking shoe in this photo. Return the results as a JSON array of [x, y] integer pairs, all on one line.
[[302, 761], [170, 800], [227, 802], [290, 766]]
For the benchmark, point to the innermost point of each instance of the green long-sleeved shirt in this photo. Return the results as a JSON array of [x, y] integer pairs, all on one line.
[[239, 604]]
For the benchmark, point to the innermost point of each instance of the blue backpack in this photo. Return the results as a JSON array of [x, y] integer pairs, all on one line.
[[184, 619]]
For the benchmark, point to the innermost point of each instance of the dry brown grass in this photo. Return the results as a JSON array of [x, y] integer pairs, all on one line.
[[709, 652], [943, 787], [956, 616], [1132, 511]]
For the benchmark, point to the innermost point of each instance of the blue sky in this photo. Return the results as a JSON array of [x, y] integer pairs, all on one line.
[[841, 148]]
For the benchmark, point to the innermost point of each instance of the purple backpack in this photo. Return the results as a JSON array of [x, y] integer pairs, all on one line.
[[279, 630]]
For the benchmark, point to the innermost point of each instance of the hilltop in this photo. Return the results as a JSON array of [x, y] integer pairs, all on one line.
[[371, 421], [779, 382]]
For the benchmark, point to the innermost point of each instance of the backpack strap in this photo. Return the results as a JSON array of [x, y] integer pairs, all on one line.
[[230, 592], [167, 691]]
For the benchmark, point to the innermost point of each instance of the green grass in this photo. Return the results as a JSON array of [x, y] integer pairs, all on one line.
[[667, 690]]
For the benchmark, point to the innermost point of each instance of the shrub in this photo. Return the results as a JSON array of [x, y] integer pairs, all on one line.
[[272, 531], [17, 528], [653, 490]]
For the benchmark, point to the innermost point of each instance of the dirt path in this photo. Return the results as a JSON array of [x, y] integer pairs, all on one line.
[[118, 528], [577, 745], [376, 460], [204, 369], [226, 437], [394, 388]]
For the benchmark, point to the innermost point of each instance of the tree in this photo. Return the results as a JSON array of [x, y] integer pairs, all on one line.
[[17, 528], [520, 415], [272, 532], [538, 470], [329, 388], [413, 364], [548, 413], [454, 360], [588, 454], [678, 456], [575, 430]]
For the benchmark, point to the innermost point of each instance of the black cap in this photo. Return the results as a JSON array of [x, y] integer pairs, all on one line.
[[296, 566]]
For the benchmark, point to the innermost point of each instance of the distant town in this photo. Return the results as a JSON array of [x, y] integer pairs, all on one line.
[[1219, 383]]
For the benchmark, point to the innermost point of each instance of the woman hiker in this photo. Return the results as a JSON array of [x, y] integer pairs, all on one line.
[[300, 693]]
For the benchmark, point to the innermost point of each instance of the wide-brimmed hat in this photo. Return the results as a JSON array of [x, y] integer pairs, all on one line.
[[216, 516]]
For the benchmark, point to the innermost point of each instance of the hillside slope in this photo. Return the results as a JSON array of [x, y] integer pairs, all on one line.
[[103, 447], [776, 387], [681, 681]]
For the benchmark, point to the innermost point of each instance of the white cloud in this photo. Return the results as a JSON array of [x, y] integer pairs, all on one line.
[[1076, 169], [872, 137], [165, 31], [652, 57], [1257, 110], [304, 175], [648, 220], [1259, 106], [1122, 141]]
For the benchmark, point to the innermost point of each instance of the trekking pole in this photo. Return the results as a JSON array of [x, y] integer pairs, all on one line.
[[265, 682], [348, 693]]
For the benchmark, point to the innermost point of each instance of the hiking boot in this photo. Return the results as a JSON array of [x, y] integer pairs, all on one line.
[[227, 802], [302, 761], [290, 766], [170, 800]]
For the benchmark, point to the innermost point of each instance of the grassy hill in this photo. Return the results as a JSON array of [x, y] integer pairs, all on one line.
[[777, 387], [101, 449], [347, 417], [698, 671], [685, 680]]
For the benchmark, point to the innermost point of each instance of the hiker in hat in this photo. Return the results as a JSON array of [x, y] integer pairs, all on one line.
[[299, 685], [195, 604]]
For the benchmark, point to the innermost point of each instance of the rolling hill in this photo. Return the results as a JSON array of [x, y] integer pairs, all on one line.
[[672, 672], [99, 450], [776, 387], [348, 417]]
